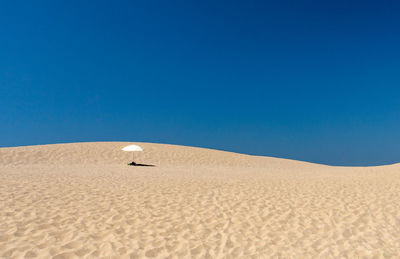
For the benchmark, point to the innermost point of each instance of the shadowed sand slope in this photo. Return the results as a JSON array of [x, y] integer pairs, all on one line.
[[82, 200]]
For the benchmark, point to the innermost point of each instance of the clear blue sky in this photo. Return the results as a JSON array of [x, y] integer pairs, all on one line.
[[309, 80]]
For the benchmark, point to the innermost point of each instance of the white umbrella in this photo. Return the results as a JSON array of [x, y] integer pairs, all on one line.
[[132, 148]]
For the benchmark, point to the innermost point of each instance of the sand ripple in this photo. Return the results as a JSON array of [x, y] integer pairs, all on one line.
[[210, 211]]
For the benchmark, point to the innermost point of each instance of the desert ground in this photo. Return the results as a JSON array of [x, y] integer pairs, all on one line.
[[81, 200]]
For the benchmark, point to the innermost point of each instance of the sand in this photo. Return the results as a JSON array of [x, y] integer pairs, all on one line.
[[81, 200]]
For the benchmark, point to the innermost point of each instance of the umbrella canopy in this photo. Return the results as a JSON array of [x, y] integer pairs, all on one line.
[[132, 148]]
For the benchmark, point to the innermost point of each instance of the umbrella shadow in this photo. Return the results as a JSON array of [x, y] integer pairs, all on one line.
[[136, 164]]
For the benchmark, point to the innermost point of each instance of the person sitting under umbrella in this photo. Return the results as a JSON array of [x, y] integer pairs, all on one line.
[[133, 149]]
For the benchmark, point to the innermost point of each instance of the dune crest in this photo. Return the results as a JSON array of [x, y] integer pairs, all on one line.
[[110, 153]]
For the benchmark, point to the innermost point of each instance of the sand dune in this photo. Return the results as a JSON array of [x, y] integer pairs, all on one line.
[[81, 200]]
